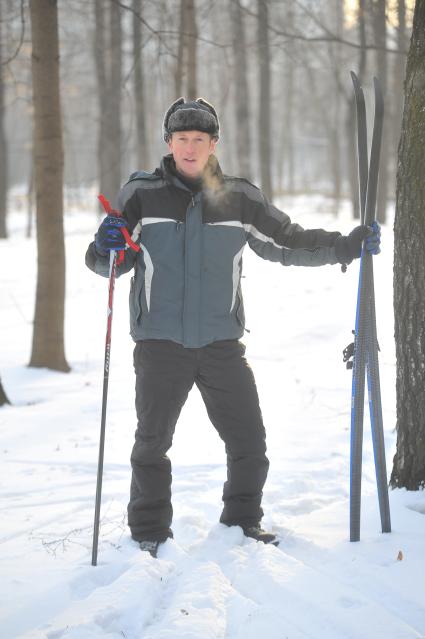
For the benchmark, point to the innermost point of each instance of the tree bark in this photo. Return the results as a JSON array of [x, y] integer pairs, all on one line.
[[241, 92], [48, 336], [142, 151], [399, 73], [409, 271], [3, 145], [265, 98]]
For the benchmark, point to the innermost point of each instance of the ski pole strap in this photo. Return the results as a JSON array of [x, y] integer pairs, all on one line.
[[348, 354], [107, 206], [128, 239], [110, 211]]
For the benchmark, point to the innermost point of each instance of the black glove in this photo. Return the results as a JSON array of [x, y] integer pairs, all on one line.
[[109, 236], [348, 247]]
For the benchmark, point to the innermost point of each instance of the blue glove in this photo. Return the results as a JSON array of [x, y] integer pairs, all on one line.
[[373, 240], [109, 236]]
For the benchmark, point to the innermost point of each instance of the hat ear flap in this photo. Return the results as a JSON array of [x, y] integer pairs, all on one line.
[[170, 111], [208, 105], [212, 111]]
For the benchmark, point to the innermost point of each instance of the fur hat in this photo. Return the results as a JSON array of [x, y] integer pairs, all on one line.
[[195, 115]]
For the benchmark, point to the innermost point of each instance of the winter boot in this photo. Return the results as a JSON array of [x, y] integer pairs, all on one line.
[[150, 546], [257, 533]]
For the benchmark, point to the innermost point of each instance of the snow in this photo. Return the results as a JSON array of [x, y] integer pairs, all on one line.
[[209, 582]]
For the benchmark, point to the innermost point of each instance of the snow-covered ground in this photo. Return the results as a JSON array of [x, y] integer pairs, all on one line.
[[209, 582]]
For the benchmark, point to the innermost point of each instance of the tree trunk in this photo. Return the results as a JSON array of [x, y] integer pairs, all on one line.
[[335, 137], [399, 73], [48, 336], [351, 115], [191, 52], [30, 199], [409, 271], [265, 98], [178, 76], [290, 103], [241, 92], [3, 145], [3, 397], [102, 94], [139, 89], [115, 97], [108, 56], [380, 32]]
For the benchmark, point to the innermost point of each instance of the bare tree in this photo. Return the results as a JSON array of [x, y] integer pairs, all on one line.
[[334, 129], [379, 24], [115, 98], [142, 151], [186, 70], [179, 69], [102, 94], [351, 110], [264, 141], [48, 336], [191, 50], [3, 142], [409, 271], [241, 91], [286, 156], [108, 61]]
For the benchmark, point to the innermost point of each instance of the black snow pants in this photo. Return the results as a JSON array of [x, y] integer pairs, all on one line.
[[165, 373]]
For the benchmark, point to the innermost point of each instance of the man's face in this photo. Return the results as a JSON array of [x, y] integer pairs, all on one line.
[[191, 150]]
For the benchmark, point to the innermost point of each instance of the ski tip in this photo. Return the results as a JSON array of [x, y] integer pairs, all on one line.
[[356, 83], [379, 97], [377, 85]]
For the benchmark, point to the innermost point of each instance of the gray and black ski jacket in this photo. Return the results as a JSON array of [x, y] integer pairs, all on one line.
[[186, 285]]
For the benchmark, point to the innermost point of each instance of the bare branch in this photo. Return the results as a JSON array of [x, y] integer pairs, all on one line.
[[21, 38], [162, 32], [329, 37]]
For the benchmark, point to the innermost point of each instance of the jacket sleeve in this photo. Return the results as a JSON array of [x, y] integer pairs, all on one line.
[[272, 235], [99, 264]]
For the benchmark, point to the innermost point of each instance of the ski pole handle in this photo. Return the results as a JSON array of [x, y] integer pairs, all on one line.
[[115, 213]]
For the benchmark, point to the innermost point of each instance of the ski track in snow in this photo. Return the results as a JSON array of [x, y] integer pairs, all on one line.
[[219, 589], [209, 582]]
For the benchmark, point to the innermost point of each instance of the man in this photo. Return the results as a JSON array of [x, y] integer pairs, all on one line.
[[186, 311]]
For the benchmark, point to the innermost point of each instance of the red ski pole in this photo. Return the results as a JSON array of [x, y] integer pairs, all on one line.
[[114, 261]]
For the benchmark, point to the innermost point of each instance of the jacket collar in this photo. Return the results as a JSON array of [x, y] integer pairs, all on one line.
[[212, 176]]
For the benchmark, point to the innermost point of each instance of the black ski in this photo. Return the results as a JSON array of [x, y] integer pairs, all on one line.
[[365, 355]]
